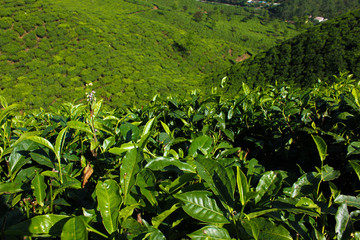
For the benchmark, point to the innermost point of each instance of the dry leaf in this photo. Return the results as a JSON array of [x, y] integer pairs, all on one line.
[[88, 171]]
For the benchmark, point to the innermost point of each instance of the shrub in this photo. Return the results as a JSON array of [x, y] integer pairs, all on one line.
[[11, 48], [6, 22], [30, 40], [41, 32], [18, 28], [5, 12]]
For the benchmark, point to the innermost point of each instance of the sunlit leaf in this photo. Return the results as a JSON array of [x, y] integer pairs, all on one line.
[[328, 173], [7, 110], [18, 156], [79, 126], [202, 144], [267, 229], [199, 205], [39, 187], [269, 183], [342, 222], [60, 142], [209, 233], [74, 229], [11, 187], [39, 226], [348, 200], [242, 184], [305, 184], [124, 148], [109, 200], [97, 107], [148, 127], [217, 178], [129, 168], [166, 164], [321, 146]]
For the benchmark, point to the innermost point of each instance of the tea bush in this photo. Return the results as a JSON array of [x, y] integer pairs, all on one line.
[[272, 163]]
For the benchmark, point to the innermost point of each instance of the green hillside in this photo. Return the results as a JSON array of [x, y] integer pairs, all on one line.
[[290, 9], [319, 53], [129, 50]]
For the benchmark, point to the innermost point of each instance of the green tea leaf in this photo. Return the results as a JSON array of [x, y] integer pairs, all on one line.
[[83, 127], [348, 200], [217, 178], [267, 229], [328, 173], [321, 147], [109, 200], [156, 221], [8, 109], [319, 235], [129, 132], [202, 144], [356, 166], [251, 227], [128, 211], [123, 148], [166, 128], [342, 222], [18, 156], [209, 233], [108, 142], [97, 107], [11, 187], [39, 187], [246, 88], [180, 181], [37, 139], [260, 213], [200, 205], [60, 142], [42, 159], [353, 148], [74, 229], [306, 202], [145, 179], [153, 233], [165, 164], [356, 96], [128, 170], [269, 183], [148, 127], [39, 226], [242, 184], [305, 184], [69, 182]]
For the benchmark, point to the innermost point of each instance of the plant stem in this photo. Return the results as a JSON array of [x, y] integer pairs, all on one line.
[[51, 198]]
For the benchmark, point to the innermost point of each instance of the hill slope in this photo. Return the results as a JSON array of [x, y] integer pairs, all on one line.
[[320, 53], [129, 50], [304, 8]]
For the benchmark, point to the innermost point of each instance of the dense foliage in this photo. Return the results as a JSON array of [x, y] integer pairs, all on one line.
[[292, 9], [130, 50], [321, 52], [199, 168]]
